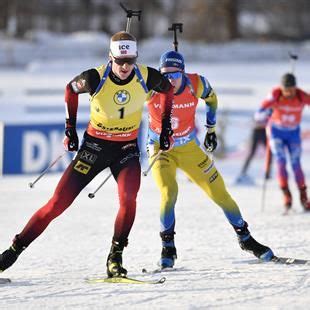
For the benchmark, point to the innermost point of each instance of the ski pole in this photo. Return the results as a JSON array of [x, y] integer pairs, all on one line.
[[174, 28], [130, 14], [263, 194], [145, 173], [92, 195], [31, 184], [268, 160], [293, 58]]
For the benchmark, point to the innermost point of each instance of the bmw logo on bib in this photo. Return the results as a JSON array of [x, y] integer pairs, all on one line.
[[121, 97]]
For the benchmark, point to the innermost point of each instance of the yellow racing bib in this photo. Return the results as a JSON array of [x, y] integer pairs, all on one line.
[[116, 110]]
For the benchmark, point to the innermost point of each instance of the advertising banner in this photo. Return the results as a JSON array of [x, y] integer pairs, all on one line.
[[29, 149]]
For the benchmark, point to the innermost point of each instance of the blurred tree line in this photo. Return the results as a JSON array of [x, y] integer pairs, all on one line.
[[204, 20]]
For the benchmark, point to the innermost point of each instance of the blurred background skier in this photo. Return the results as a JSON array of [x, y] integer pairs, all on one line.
[[287, 102]]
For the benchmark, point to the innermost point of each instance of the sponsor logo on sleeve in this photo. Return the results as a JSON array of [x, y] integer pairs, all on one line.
[[78, 85]]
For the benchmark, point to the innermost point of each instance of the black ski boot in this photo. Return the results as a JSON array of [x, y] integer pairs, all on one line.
[[169, 252], [249, 244], [115, 260], [9, 256]]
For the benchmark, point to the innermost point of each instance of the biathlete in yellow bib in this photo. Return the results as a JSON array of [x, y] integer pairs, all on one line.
[[118, 92], [187, 155]]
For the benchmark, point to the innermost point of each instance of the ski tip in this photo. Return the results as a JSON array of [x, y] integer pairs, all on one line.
[[290, 261], [162, 280]]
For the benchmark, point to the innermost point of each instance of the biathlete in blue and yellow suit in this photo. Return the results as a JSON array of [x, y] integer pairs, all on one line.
[[187, 155], [117, 96]]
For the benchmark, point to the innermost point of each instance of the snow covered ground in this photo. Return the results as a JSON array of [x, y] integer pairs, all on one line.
[[213, 271]]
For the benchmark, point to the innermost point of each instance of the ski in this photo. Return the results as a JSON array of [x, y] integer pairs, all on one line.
[[160, 270], [125, 280], [280, 260], [290, 261], [5, 280]]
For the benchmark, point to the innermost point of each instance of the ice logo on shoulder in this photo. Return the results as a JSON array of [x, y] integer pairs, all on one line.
[[121, 97]]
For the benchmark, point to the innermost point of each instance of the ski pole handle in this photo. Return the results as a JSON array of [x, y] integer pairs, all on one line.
[[130, 14], [31, 184], [145, 173], [92, 195], [293, 58], [174, 28]]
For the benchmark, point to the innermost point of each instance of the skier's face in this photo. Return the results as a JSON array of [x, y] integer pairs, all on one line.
[[289, 92], [123, 66], [174, 76]]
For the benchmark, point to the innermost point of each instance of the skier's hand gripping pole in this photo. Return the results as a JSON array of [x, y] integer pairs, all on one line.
[[31, 184]]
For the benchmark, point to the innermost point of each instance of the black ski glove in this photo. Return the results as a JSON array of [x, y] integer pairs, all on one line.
[[165, 138], [71, 140], [210, 142]]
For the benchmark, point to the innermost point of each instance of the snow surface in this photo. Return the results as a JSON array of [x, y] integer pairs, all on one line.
[[213, 271]]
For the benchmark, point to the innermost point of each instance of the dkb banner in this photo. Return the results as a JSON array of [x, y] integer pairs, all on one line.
[[29, 149]]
